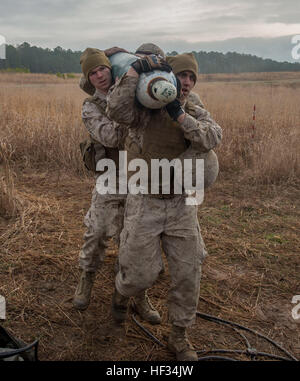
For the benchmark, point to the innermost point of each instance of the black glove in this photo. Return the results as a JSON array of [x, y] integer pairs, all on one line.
[[174, 109], [149, 63]]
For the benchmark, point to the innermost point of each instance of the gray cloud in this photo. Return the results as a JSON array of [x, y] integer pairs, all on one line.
[[173, 24]]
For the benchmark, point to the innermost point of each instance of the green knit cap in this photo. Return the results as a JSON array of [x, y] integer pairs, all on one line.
[[183, 62], [92, 58]]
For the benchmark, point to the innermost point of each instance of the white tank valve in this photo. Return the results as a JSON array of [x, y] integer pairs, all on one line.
[[162, 90]]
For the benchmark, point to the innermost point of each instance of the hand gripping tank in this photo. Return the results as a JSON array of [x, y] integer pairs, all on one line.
[[155, 89]]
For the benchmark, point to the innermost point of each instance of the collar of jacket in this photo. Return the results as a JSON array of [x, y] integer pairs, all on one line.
[[99, 94]]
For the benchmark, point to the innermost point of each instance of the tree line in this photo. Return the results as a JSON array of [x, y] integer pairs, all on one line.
[[40, 60]]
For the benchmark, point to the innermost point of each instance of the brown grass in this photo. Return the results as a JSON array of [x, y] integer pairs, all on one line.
[[249, 220], [9, 201], [249, 277], [22, 79], [272, 155], [43, 125], [232, 77]]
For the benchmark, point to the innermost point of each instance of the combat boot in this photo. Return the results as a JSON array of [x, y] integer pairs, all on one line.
[[119, 307], [143, 307], [83, 291], [179, 343]]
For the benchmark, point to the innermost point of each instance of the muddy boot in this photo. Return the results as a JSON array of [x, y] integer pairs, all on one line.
[[180, 345], [143, 307], [119, 307], [83, 291]]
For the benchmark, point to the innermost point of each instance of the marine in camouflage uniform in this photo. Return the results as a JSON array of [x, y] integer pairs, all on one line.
[[155, 222], [104, 220]]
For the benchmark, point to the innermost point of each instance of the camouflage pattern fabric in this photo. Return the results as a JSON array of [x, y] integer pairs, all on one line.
[[201, 130], [104, 220], [100, 127], [195, 99], [150, 48], [149, 221]]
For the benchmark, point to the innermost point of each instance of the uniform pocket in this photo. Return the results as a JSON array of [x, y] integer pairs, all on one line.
[[88, 153]]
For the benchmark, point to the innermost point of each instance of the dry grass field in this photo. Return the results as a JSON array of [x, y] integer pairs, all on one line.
[[249, 221]]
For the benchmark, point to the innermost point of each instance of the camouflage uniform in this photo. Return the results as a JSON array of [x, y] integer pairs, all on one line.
[[104, 220], [149, 220], [195, 99]]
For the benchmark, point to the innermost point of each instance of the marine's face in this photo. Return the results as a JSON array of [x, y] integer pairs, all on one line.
[[100, 78], [187, 81]]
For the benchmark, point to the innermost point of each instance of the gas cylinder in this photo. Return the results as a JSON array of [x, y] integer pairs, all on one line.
[[155, 89]]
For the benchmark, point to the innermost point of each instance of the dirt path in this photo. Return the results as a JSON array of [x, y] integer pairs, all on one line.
[[250, 276]]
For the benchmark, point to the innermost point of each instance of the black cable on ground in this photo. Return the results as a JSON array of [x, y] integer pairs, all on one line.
[[13, 352], [147, 332], [227, 322], [220, 358], [252, 352]]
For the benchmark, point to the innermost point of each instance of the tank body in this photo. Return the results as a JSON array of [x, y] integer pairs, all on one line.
[[155, 89]]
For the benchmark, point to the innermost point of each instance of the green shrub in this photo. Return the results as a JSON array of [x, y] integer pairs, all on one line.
[[16, 70]]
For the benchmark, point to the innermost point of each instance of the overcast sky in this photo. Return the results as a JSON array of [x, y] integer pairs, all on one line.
[[172, 24]]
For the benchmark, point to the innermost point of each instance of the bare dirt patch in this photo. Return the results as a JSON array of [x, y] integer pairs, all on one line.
[[249, 277]]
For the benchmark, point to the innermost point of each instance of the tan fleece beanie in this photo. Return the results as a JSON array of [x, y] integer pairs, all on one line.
[[183, 62], [92, 58], [149, 48]]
